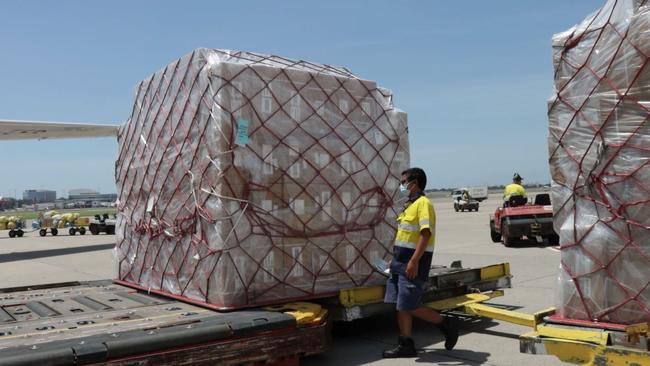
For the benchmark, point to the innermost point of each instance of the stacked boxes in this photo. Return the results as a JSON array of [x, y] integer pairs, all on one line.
[[599, 156], [248, 179]]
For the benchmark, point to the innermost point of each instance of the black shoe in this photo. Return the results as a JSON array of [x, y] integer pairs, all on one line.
[[449, 328], [405, 348]]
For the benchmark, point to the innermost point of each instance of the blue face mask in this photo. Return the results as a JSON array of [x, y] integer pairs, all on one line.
[[403, 189]]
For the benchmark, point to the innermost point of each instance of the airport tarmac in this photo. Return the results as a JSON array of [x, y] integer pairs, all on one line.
[[459, 236]]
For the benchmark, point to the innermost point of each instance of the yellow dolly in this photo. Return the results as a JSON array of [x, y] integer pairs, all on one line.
[[77, 226], [15, 226]]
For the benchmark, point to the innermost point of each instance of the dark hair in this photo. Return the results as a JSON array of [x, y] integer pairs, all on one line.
[[418, 175]]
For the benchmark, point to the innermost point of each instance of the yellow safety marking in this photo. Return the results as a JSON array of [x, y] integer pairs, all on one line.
[[572, 352], [623, 356], [590, 336], [635, 331], [515, 317], [304, 312], [361, 296], [495, 271], [583, 353], [460, 301]]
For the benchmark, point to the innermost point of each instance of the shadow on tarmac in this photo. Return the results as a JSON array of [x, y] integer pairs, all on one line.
[[363, 341], [457, 357], [35, 254]]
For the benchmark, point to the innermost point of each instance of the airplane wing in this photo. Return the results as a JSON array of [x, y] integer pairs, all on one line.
[[29, 130]]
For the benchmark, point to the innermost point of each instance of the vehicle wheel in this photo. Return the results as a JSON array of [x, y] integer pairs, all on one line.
[[456, 207], [54, 231], [72, 231], [94, 230], [554, 239], [110, 230], [42, 232], [20, 233], [82, 231], [12, 233], [496, 237], [505, 235]]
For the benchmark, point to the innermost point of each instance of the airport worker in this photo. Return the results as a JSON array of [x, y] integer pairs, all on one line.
[[514, 189], [465, 195], [409, 268]]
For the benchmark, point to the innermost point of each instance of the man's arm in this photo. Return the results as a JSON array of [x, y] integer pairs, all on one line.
[[412, 266]]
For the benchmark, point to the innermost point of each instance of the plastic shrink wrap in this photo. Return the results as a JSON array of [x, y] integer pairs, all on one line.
[[247, 179], [599, 145]]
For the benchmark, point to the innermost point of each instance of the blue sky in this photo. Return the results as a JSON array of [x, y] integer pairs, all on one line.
[[473, 77]]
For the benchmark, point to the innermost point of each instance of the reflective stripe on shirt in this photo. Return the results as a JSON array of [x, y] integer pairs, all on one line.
[[410, 245], [408, 227]]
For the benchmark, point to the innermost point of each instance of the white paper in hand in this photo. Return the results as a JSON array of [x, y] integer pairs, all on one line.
[[382, 267]]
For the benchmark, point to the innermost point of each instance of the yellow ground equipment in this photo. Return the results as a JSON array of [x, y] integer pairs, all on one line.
[[587, 343], [14, 224], [446, 288], [52, 221]]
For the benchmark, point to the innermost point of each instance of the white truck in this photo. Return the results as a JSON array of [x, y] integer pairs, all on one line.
[[478, 193]]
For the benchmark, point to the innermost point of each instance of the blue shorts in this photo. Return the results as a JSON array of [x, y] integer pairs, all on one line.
[[404, 292]]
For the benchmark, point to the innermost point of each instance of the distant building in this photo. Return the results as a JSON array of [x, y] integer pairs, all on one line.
[[79, 191], [7, 203], [39, 195], [89, 195]]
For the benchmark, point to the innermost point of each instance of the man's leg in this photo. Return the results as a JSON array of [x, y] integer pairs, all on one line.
[[405, 323], [448, 327], [399, 293], [405, 345], [428, 314]]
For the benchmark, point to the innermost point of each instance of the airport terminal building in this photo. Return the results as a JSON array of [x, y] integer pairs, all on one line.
[[87, 195]]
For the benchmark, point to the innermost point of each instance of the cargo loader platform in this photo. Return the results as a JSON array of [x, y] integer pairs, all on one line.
[[99, 322]]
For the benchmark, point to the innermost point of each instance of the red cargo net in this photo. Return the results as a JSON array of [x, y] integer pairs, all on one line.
[[165, 238], [599, 157]]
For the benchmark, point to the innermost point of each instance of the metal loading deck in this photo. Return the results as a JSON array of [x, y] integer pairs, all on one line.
[[84, 323]]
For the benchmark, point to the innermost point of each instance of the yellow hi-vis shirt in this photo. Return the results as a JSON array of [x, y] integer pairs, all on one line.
[[418, 216], [513, 189]]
